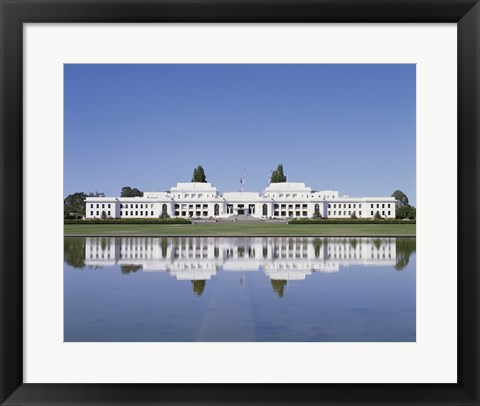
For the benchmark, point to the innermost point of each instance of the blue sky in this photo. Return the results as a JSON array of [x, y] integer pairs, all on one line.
[[349, 128]]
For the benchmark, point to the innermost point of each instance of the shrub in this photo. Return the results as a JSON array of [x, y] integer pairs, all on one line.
[[177, 220], [350, 221]]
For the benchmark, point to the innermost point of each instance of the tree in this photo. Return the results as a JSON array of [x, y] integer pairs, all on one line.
[[353, 216], [104, 215], [96, 194], [74, 205], [401, 199], [403, 209], [199, 175], [277, 175], [377, 216], [127, 191]]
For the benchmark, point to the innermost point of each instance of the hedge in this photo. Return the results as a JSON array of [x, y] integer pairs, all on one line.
[[350, 221], [176, 220]]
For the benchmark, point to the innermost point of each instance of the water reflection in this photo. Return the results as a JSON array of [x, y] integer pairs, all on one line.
[[198, 259], [239, 289]]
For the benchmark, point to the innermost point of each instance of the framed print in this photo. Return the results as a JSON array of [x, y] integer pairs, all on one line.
[[196, 288]]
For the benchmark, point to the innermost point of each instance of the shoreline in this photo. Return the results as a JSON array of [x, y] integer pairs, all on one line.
[[243, 235]]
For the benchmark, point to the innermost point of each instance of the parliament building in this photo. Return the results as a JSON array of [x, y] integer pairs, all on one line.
[[285, 200]]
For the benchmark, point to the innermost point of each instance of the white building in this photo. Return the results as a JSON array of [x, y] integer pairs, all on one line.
[[278, 200]]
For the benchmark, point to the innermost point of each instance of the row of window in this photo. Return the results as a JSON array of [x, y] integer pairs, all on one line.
[[290, 206], [195, 195], [125, 213], [98, 205], [290, 213], [344, 213], [190, 206], [98, 213], [125, 205], [334, 205]]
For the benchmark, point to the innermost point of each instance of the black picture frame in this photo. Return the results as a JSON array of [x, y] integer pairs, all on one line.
[[14, 13]]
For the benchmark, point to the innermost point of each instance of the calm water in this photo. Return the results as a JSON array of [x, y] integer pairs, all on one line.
[[239, 289]]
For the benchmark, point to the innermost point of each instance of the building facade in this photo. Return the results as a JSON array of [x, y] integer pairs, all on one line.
[[284, 200]]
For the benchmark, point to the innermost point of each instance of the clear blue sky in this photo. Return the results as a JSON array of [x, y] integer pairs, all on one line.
[[349, 128]]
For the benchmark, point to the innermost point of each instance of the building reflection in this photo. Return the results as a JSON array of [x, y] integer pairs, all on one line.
[[198, 259]]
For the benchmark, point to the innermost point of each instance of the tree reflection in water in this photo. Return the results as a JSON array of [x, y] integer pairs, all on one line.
[[198, 287], [405, 247], [74, 251], [278, 286]]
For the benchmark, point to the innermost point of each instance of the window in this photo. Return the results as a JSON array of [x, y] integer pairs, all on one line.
[[97, 212], [349, 206], [109, 212], [136, 213], [97, 206], [108, 205], [141, 206], [121, 213], [136, 206], [264, 210], [329, 212], [91, 213], [131, 213], [141, 213], [359, 213], [216, 210], [383, 205], [152, 213], [378, 205], [389, 213], [328, 205], [371, 213], [103, 205]]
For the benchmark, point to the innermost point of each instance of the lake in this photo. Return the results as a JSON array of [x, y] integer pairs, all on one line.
[[244, 289]]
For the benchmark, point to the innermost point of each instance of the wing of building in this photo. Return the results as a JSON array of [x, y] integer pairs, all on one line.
[[202, 200]]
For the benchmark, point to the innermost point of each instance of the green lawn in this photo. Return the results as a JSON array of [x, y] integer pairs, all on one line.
[[240, 229]]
